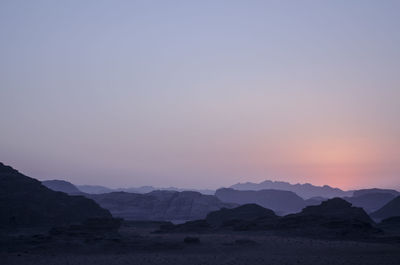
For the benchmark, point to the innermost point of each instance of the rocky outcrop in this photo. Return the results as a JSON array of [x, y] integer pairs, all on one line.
[[159, 205], [25, 202], [281, 202]]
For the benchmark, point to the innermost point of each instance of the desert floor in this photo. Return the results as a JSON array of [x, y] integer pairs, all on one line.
[[139, 246]]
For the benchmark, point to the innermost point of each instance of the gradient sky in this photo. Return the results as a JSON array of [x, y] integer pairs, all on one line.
[[201, 93]]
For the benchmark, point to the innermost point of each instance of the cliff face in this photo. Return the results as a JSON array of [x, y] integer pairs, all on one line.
[[25, 202]]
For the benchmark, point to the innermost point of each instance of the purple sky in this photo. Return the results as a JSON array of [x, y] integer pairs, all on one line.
[[201, 93]]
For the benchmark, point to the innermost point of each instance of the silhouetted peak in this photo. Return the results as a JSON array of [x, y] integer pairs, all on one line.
[[7, 169]]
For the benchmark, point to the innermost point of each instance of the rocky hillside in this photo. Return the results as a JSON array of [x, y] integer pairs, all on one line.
[[25, 202]]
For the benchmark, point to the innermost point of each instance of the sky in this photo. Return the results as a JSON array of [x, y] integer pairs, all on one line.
[[201, 93]]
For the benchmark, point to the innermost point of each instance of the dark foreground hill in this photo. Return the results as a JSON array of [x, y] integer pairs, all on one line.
[[305, 191], [334, 218], [390, 209], [25, 202], [159, 205], [280, 201]]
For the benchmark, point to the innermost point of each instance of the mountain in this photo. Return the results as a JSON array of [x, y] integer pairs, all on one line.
[[147, 189], [61, 185], [279, 201], [94, 189], [25, 202], [362, 192], [159, 205], [390, 209], [305, 191], [370, 202]]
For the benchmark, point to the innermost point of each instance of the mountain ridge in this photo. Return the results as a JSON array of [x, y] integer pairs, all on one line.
[[306, 190]]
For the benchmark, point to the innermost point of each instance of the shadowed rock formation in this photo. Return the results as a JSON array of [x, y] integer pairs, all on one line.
[[25, 202], [332, 218]]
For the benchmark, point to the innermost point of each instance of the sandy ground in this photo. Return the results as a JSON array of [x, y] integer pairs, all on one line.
[[230, 248]]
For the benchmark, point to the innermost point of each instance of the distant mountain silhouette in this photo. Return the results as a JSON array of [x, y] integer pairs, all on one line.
[[362, 192], [370, 201], [93, 189], [280, 201], [159, 205], [25, 202], [61, 185], [390, 209], [305, 191], [96, 189]]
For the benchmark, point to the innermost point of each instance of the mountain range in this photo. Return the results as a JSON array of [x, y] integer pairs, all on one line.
[[305, 191], [281, 201]]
